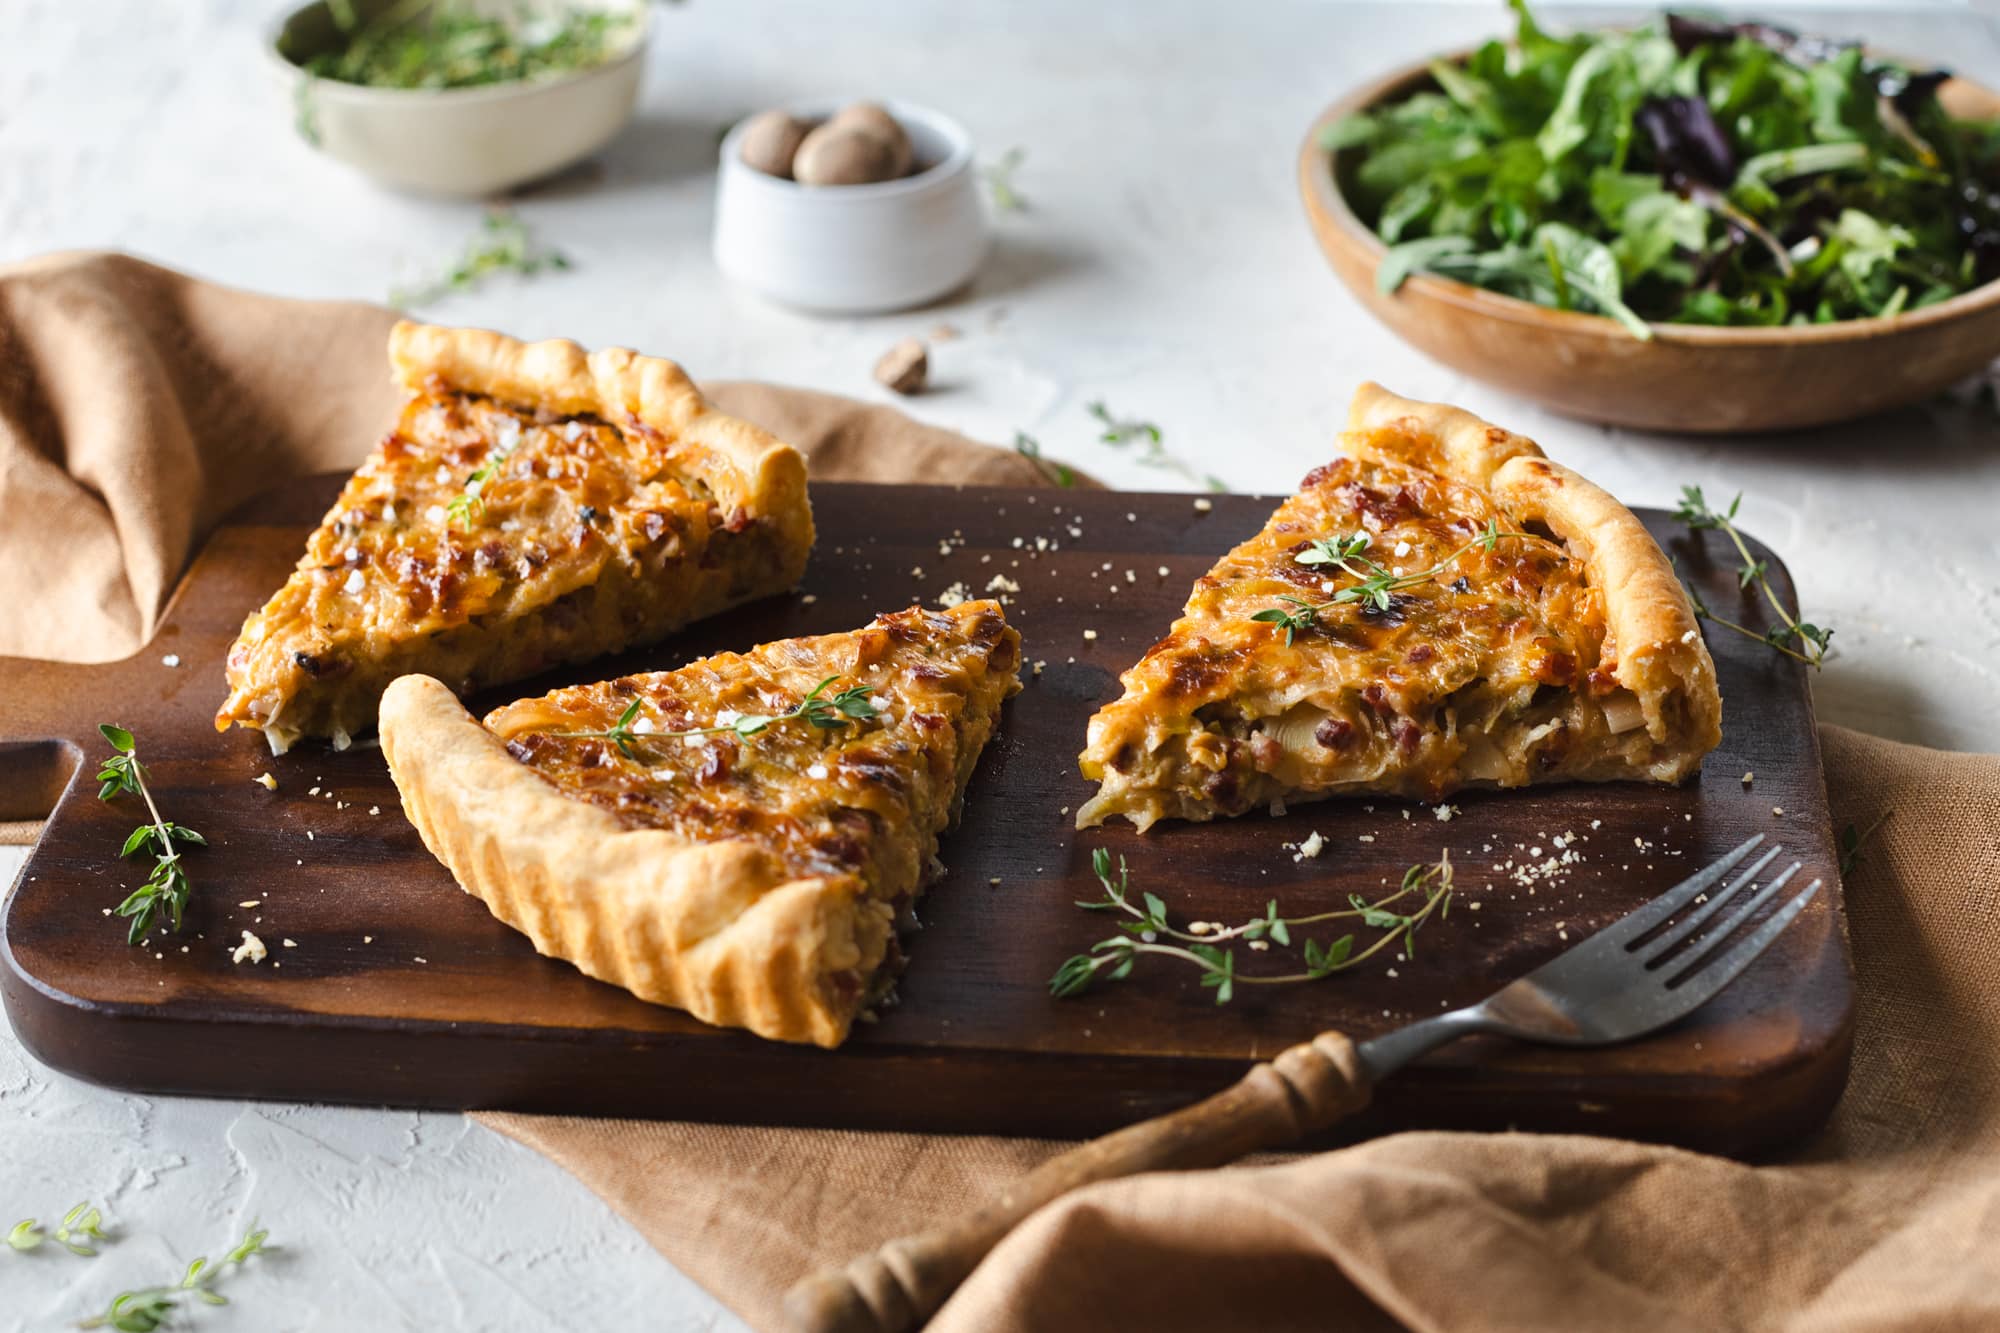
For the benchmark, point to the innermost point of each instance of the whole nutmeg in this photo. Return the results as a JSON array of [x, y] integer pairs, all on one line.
[[904, 368], [771, 140], [832, 155], [875, 119]]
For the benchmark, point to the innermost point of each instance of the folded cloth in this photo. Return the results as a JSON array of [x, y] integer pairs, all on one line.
[[1888, 1218], [137, 406]]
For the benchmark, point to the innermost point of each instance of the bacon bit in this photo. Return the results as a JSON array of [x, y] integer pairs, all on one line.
[[1334, 733]]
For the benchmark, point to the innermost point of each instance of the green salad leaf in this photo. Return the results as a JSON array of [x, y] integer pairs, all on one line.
[[1686, 171]]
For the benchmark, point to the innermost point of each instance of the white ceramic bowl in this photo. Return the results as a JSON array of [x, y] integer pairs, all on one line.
[[461, 142], [854, 249]]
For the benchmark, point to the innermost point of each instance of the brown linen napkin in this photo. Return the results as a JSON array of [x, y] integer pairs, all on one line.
[[1889, 1217], [137, 406]]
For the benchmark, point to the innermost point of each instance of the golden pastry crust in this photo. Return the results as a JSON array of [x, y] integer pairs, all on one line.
[[1553, 642], [752, 880], [534, 505]]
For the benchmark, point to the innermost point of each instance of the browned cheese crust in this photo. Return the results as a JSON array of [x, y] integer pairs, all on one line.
[[755, 881], [534, 505], [1552, 644]]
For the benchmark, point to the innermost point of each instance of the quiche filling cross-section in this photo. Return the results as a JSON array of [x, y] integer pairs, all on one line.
[[739, 838], [1442, 607], [533, 506]]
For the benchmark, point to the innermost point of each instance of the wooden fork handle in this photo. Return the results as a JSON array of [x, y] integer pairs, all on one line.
[[904, 1282]]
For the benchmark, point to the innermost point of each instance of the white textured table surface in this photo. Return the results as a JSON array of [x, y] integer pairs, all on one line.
[[1164, 266]]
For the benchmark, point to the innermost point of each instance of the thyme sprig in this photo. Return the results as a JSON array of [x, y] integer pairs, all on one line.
[[1812, 640], [470, 502], [1030, 448], [166, 889], [828, 712], [502, 244], [1121, 431], [1151, 931], [149, 1308], [79, 1226], [1377, 586], [999, 177]]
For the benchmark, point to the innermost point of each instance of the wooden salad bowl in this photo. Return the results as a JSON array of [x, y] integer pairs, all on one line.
[[1689, 377]]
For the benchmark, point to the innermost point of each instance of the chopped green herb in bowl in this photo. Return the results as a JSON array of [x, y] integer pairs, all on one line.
[[1682, 172], [462, 98], [455, 44]]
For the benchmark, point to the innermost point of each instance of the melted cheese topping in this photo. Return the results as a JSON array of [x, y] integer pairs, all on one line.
[[865, 800], [482, 542], [1494, 669]]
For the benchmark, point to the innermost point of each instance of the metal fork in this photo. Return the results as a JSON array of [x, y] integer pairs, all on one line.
[[1635, 976]]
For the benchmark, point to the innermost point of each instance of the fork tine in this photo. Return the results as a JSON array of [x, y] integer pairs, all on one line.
[[1637, 922], [1659, 948], [1706, 978]]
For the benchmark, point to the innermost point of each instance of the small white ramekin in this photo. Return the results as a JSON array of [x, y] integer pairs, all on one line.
[[854, 249]]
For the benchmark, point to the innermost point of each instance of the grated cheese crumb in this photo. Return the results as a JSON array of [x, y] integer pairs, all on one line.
[[1311, 847], [1445, 812], [171, 660], [1203, 505], [1090, 634], [251, 948], [266, 781]]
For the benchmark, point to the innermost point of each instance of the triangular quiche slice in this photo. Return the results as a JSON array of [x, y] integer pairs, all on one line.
[[533, 506], [738, 838], [1442, 607]]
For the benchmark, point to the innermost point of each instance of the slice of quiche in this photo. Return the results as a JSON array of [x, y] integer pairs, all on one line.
[[1442, 607], [739, 838], [533, 506]]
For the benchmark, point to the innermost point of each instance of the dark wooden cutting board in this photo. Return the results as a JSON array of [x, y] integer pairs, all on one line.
[[387, 985]]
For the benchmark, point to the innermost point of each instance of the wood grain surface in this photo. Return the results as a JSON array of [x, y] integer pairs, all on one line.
[[387, 985]]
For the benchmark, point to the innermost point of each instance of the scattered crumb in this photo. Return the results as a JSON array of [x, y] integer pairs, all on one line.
[[917, 571], [1163, 571], [251, 902], [817, 772], [289, 944], [1258, 946], [1778, 810], [809, 599], [374, 809], [251, 948], [943, 333], [1366, 837], [367, 939], [1203, 505], [266, 781], [994, 880], [1311, 847], [952, 596], [1039, 665], [1090, 635], [423, 960], [1445, 812], [309, 835], [1748, 778], [171, 660]]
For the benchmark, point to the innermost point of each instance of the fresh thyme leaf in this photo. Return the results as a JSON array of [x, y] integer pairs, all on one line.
[[1030, 448], [826, 712], [502, 245], [1851, 843], [150, 1308], [1151, 932], [1813, 641], [79, 1226], [164, 895], [999, 177], [1680, 172]]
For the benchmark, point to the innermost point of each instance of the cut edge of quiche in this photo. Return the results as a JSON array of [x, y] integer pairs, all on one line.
[[534, 505], [754, 880], [1551, 640]]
